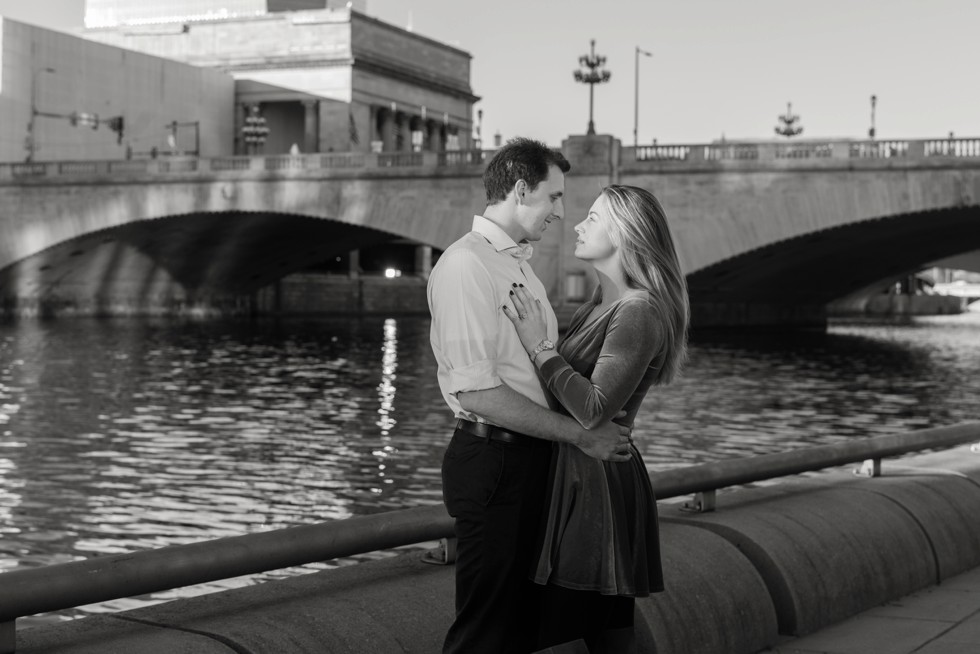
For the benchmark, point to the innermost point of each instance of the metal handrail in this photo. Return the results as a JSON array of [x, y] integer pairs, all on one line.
[[66, 585], [736, 472]]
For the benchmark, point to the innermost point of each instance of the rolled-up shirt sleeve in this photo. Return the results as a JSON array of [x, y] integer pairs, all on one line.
[[465, 321]]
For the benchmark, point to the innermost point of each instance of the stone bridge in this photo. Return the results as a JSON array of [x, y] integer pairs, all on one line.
[[767, 232]]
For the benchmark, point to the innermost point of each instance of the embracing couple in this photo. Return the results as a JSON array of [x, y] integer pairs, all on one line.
[[555, 516]]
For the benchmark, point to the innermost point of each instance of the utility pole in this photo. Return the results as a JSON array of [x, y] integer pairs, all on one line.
[[594, 75], [871, 130], [31, 142], [636, 95]]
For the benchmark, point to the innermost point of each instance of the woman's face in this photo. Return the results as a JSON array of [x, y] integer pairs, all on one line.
[[593, 242]]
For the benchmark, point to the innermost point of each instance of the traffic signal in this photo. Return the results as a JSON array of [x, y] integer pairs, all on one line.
[[117, 124]]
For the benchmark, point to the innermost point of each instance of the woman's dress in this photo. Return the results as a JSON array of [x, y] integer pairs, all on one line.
[[600, 532]]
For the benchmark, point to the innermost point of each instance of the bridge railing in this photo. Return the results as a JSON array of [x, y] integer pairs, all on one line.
[[811, 149], [276, 163], [681, 153], [66, 585]]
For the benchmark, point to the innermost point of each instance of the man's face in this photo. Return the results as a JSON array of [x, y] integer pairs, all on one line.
[[538, 208]]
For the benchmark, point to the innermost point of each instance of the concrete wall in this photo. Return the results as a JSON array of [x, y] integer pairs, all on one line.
[[230, 43], [334, 294], [149, 92], [788, 558], [891, 304]]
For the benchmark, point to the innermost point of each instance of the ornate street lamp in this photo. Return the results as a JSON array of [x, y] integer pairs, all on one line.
[[788, 123], [594, 75], [254, 130]]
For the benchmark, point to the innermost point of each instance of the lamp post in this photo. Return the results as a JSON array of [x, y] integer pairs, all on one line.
[[636, 95], [871, 131], [593, 76], [479, 129], [789, 123], [31, 137]]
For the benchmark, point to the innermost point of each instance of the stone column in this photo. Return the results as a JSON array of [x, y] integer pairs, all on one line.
[[423, 260], [311, 126], [354, 264]]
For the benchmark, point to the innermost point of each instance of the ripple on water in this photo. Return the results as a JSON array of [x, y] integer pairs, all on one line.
[[124, 435]]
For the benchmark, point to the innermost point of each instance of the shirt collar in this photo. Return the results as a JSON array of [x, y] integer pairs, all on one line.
[[499, 239]]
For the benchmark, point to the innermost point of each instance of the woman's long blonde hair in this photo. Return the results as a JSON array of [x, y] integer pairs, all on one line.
[[639, 230]]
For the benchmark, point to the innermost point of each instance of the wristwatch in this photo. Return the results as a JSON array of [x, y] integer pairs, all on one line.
[[542, 346]]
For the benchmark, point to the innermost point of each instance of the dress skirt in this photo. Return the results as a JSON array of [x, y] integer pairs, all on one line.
[[600, 532]]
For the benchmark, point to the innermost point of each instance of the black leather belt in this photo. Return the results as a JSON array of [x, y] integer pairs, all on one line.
[[494, 433]]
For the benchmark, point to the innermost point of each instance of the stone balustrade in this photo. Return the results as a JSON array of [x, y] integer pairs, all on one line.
[[809, 149], [788, 151]]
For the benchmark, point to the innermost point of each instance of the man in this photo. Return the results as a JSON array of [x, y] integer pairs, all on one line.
[[495, 468]]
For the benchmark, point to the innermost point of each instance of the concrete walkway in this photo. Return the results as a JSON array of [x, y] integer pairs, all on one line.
[[943, 619]]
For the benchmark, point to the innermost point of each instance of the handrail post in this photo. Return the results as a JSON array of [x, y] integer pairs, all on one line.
[[445, 554], [703, 502], [8, 637], [869, 468]]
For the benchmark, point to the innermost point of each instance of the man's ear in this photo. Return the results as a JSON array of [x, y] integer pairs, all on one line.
[[520, 189]]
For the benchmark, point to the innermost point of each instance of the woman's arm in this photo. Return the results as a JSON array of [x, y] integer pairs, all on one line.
[[631, 341]]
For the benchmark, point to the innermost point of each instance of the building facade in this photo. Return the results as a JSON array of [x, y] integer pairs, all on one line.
[[111, 13], [67, 98], [325, 79]]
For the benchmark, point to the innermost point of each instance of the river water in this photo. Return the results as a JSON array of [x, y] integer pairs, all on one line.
[[118, 435]]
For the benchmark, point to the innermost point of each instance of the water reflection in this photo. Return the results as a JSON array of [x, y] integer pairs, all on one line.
[[122, 435]]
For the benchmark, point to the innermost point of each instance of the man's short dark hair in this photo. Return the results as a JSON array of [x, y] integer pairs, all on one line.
[[520, 158]]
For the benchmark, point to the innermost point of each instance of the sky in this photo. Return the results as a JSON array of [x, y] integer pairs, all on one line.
[[719, 68]]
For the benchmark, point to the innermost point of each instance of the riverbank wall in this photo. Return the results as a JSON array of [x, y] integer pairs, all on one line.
[[893, 304], [777, 560]]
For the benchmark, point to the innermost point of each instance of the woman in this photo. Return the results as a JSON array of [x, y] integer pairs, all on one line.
[[600, 542]]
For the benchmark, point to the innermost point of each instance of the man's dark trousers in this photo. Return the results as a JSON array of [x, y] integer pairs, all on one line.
[[495, 491]]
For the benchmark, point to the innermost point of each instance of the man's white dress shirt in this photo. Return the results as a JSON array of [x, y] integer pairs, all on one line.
[[475, 344]]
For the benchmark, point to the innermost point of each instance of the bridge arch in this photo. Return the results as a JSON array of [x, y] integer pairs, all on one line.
[[215, 257], [824, 265]]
